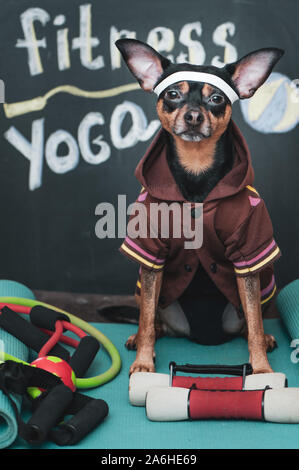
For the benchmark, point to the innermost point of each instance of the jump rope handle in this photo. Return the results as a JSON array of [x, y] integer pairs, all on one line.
[[84, 355], [87, 412], [48, 413], [46, 318], [28, 333]]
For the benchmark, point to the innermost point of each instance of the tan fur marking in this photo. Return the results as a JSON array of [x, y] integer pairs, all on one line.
[[184, 87], [206, 90], [195, 157], [167, 120], [219, 124]]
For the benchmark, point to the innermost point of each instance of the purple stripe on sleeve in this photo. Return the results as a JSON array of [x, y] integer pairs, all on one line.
[[142, 252], [256, 258], [269, 288], [142, 196]]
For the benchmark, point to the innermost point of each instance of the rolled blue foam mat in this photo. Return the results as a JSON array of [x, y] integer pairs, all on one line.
[[287, 303], [11, 345]]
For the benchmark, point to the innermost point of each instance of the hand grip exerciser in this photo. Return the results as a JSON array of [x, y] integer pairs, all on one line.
[[141, 382], [178, 404]]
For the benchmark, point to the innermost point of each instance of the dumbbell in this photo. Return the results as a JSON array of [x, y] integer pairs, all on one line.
[[141, 382], [178, 404]]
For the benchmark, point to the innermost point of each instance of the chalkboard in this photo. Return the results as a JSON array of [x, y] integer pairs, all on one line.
[[75, 124]]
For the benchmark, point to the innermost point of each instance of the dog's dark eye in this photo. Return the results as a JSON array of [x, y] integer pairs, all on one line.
[[172, 95], [217, 99]]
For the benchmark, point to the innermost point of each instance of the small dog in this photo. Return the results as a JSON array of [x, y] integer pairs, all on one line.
[[218, 291]]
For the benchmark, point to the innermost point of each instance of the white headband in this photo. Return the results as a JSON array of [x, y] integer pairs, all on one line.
[[197, 77]]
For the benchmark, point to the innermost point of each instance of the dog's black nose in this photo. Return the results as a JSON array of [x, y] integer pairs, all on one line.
[[193, 117]]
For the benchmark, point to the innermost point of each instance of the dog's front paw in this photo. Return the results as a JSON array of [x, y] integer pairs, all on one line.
[[261, 367], [131, 342], [263, 370], [142, 366], [271, 343]]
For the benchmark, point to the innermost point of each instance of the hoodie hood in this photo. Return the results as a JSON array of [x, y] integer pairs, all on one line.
[[155, 176]]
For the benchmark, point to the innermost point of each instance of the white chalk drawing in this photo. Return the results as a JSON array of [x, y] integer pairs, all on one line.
[[90, 120], [61, 164], [138, 129], [85, 42], [220, 35], [196, 51], [33, 151], [40, 148], [63, 49], [160, 37], [30, 41], [273, 109]]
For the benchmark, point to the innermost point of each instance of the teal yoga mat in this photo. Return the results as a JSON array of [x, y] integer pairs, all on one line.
[[8, 425], [287, 303], [127, 427]]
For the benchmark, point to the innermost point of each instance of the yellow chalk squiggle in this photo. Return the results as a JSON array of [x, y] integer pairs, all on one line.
[[40, 102]]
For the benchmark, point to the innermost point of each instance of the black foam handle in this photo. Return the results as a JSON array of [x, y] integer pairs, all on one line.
[[29, 334], [84, 355], [48, 413], [82, 423], [238, 370], [45, 317]]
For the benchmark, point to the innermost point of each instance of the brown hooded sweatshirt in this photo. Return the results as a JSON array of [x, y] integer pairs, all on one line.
[[237, 230]]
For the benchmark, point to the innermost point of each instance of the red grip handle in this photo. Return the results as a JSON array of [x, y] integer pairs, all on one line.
[[208, 383], [204, 404]]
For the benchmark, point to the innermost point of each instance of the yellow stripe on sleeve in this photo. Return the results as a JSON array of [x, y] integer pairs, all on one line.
[[269, 297], [259, 265], [252, 189], [140, 259]]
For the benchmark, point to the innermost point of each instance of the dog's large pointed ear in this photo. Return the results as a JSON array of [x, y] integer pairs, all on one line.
[[250, 72], [146, 64]]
